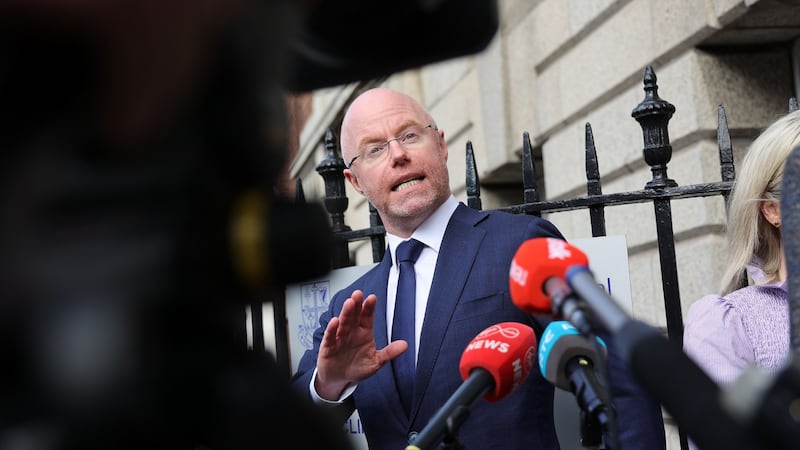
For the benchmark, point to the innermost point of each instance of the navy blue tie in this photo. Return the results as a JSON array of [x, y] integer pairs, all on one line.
[[403, 324]]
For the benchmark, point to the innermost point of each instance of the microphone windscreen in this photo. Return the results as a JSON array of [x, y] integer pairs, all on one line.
[[507, 351], [561, 342], [790, 235], [300, 242], [535, 261]]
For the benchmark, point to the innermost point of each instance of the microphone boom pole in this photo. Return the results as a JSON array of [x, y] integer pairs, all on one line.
[[454, 412]]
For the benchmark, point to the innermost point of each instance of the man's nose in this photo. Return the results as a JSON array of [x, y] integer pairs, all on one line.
[[398, 150]]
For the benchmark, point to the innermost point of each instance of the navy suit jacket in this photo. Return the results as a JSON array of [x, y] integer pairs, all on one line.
[[470, 292]]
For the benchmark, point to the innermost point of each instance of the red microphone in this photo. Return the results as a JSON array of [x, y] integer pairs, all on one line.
[[536, 280], [552, 273], [507, 351], [493, 365]]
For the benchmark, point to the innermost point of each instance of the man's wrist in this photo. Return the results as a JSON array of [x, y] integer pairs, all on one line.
[[318, 397]]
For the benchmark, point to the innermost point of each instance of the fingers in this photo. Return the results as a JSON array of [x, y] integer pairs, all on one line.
[[357, 313], [348, 317], [329, 339], [368, 307], [348, 351]]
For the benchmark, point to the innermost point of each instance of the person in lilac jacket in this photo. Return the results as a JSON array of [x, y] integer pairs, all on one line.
[[747, 323]]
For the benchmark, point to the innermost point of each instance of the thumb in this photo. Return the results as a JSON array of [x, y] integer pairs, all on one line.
[[392, 351]]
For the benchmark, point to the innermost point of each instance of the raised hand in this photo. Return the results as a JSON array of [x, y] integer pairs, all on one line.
[[347, 353]]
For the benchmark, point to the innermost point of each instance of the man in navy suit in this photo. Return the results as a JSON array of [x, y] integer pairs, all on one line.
[[397, 158]]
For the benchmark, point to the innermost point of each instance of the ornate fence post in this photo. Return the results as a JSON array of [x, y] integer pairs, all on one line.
[[530, 194], [336, 201], [472, 181], [593, 187], [653, 115]]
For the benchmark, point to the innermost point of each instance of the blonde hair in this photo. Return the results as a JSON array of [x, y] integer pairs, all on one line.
[[751, 238]]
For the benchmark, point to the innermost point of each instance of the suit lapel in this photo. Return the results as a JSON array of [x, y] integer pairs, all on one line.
[[377, 286], [456, 259]]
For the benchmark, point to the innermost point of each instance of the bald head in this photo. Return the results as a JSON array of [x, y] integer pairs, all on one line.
[[407, 179], [375, 106]]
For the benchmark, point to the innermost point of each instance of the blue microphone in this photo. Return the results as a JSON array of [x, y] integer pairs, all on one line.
[[568, 360]]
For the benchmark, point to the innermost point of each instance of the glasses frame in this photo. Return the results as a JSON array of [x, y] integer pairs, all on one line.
[[399, 140]]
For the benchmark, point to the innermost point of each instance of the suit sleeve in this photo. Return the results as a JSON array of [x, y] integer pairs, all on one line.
[[301, 380], [543, 228]]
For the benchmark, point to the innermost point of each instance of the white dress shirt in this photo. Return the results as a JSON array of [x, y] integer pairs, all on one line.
[[430, 233]]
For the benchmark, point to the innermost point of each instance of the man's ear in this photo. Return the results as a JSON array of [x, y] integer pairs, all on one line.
[[442, 143], [772, 212], [353, 179]]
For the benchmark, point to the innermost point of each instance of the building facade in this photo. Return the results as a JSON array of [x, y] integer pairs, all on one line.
[[556, 65]]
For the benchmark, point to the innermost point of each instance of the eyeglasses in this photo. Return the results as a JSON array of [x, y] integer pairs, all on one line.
[[413, 136]]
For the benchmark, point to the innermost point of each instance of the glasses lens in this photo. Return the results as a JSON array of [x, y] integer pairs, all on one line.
[[411, 137]]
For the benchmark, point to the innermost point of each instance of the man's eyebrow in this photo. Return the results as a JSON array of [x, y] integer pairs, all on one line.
[[404, 126]]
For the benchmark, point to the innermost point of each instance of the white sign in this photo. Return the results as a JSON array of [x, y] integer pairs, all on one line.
[[304, 304], [608, 261]]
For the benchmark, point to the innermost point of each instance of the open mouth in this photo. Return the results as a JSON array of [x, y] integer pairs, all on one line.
[[407, 184]]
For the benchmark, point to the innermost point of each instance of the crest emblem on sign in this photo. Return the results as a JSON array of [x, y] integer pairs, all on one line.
[[314, 300]]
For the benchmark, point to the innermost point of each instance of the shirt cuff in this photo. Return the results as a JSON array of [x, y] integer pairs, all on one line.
[[319, 400]]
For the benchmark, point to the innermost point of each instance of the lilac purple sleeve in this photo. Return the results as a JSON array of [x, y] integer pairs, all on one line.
[[715, 339]]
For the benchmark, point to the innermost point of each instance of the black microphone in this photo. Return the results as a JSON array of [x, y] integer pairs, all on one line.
[[607, 311], [567, 360], [790, 236], [493, 365], [766, 403], [685, 391], [660, 366], [664, 370]]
